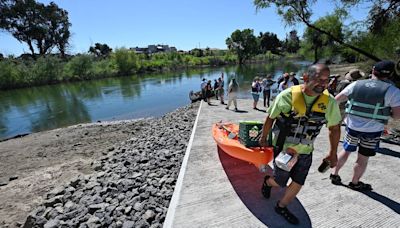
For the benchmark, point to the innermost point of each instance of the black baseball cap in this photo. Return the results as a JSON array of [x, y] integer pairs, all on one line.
[[385, 67]]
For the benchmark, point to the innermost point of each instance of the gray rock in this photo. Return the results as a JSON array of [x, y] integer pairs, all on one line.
[[75, 181], [128, 224], [56, 191], [52, 223], [69, 205], [33, 221], [149, 215], [138, 206], [50, 202], [128, 209], [93, 222], [132, 189], [59, 209], [96, 207]]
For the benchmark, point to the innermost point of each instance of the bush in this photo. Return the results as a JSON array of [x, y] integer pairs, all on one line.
[[126, 61], [9, 75], [79, 67], [47, 70], [103, 68]]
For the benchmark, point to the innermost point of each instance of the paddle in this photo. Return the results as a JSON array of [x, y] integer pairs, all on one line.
[[231, 135]]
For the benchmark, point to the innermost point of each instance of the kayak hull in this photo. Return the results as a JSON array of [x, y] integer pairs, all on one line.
[[223, 136]]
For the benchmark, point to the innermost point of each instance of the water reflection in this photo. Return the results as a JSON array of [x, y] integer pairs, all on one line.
[[48, 107]]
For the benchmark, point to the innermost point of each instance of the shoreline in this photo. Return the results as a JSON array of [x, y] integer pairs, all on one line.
[[41, 162], [44, 161]]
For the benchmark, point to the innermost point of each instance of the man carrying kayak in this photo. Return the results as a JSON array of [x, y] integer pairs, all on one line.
[[298, 114]]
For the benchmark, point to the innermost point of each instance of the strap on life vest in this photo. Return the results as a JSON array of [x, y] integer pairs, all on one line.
[[300, 116], [299, 106], [375, 109]]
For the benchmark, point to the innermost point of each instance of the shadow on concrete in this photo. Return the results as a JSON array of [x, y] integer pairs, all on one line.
[[247, 181], [261, 110], [241, 111], [395, 206], [389, 152]]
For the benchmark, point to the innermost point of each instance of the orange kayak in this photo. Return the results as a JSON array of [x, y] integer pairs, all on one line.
[[226, 136]]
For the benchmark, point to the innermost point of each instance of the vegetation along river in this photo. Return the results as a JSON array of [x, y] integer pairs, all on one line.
[[41, 108]]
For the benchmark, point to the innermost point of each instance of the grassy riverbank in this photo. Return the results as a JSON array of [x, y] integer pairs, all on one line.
[[17, 73]]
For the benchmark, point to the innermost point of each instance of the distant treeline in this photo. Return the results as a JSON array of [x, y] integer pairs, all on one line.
[[51, 69]]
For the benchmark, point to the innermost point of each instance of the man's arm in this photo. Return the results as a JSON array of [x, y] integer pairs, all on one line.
[[341, 97], [334, 137], [396, 112], [265, 131]]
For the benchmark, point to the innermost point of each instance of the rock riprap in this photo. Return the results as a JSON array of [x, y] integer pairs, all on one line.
[[133, 182]]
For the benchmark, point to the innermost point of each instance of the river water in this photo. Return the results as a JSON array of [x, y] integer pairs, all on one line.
[[48, 107]]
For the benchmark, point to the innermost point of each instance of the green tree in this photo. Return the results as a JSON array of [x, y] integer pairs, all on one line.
[[37, 25], [292, 42], [100, 50], [197, 52], [243, 43], [294, 12], [269, 42], [321, 42]]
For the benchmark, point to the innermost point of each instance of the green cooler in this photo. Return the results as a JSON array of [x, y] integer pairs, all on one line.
[[250, 132]]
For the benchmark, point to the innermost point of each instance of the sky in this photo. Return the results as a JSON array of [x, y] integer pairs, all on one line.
[[184, 24]]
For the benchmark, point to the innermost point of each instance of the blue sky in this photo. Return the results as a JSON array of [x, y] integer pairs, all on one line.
[[185, 24]]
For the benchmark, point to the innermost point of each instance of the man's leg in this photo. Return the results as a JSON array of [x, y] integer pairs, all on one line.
[[265, 97], [369, 144], [291, 191], [350, 144], [342, 158], [359, 168]]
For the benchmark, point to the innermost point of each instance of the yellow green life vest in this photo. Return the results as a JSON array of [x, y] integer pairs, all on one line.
[[299, 106], [301, 126]]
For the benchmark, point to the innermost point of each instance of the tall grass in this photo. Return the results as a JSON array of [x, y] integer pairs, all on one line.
[[16, 73]]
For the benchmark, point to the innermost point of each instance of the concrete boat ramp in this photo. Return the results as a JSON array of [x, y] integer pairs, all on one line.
[[216, 190]]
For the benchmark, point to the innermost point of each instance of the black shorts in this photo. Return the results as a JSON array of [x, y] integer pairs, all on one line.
[[298, 173]]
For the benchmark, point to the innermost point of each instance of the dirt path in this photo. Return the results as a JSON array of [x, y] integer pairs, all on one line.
[[45, 160]]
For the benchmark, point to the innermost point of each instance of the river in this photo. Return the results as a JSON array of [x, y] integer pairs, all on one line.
[[28, 110]]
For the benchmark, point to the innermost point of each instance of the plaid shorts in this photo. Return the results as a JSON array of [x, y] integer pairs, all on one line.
[[367, 142]]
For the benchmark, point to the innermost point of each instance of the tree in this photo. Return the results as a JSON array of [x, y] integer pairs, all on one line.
[[269, 42], [381, 13], [294, 11], [197, 52], [292, 42], [320, 42], [100, 50], [36, 24], [243, 43]]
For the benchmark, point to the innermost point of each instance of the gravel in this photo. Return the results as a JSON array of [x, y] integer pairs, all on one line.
[[132, 184]]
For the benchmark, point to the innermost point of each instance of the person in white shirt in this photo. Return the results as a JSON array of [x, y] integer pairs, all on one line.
[[255, 91], [233, 89], [370, 103]]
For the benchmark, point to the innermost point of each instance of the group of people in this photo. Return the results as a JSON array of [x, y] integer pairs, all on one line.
[[297, 115], [264, 87], [207, 89], [219, 91]]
